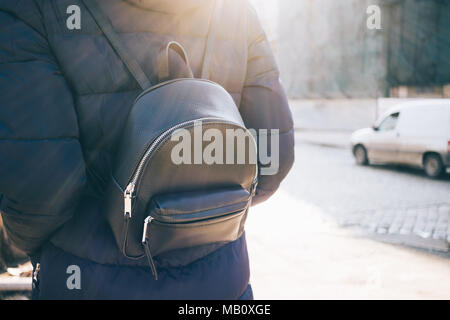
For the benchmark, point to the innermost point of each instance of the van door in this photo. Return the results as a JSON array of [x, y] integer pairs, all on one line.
[[384, 144], [415, 137], [421, 129]]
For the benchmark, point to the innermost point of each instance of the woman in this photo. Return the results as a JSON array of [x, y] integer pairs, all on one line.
[[65, 95]]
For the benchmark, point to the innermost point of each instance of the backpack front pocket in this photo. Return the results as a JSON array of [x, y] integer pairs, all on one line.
[[193, 219]]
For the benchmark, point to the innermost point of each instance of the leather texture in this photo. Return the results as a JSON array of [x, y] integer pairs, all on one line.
[[166, 237], [181, 206], [193, 219], [155, 111], [163, 106]]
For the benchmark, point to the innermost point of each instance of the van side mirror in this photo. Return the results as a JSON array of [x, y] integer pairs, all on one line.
[[375, 128]]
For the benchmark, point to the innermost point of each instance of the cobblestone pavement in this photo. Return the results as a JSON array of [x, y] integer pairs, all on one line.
[[390, 203], [425, 227]]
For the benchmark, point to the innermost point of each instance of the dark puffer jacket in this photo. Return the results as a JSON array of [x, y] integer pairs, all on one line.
[[64, 97]]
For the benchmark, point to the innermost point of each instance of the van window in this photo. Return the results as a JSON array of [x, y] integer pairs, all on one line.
[[389, 123]]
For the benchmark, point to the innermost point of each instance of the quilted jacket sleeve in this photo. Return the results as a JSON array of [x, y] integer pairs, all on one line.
[[265, 106], [42, 170]]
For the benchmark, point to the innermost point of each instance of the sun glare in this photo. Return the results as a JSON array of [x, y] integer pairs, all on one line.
[[268, 11]]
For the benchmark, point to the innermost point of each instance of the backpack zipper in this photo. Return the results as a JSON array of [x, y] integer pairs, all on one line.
[[129, 193]]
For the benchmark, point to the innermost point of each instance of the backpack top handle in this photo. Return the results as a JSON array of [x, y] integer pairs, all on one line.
[[163, 60]]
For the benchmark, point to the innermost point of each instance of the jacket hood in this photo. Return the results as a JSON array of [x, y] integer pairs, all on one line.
[[168, 6]]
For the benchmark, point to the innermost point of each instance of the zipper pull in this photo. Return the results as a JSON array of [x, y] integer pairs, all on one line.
[[128, 196], [146, 244], [147, 221]]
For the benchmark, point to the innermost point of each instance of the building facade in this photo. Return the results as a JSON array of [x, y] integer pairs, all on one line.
[[326, 49]]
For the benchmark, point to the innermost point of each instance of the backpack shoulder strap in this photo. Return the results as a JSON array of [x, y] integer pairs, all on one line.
[[106, 27], [211, 38]]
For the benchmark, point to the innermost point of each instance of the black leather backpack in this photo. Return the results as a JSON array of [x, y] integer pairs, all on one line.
[[155, 204]]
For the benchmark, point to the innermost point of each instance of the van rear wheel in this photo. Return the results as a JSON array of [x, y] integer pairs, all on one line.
[[433, 165], [361, 155]]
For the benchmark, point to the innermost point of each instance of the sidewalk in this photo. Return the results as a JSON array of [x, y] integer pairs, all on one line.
[[297, 251]]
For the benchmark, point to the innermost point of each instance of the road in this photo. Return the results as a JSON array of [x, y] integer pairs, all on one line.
[[329, 178], [299, 251]]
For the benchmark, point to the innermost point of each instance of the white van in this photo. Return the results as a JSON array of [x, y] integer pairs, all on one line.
[[415, 133]]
